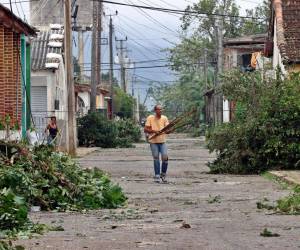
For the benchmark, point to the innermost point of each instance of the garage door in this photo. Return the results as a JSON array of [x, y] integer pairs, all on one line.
[[39, 109]]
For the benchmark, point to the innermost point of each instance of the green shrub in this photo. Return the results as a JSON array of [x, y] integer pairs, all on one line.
[[266, 134], [96, 130], [129, 130]]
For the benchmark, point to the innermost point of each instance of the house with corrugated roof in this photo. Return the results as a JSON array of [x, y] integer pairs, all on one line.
[[14, 75], [49, 91], [284, 35]]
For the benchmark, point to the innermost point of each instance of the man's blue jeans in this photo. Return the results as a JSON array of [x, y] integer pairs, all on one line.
[[156, 149]]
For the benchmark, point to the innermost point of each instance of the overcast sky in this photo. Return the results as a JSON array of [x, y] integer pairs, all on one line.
[[148, 32]]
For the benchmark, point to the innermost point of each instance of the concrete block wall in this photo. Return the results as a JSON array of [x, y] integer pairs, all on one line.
[[43, 12]]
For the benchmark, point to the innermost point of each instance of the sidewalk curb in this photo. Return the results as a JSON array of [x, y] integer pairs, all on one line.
[[82, 151], [291, 177]]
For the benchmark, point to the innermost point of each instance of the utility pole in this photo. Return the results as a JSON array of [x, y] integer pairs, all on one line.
[[111, 66], [96, 52], [122, 63], [135, 101], [205, 68], [206, 98], [132, 85], [81, 54], [138, 107], [71, 131], [219, 96]]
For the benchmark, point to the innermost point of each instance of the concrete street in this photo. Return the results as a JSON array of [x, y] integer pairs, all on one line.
[[196, 210]]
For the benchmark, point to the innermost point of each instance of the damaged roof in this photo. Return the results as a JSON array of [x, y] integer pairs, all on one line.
[[250, 39]]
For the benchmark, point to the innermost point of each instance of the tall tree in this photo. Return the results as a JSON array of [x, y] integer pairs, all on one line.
[[199, 31], [198, 47], [255, 26]]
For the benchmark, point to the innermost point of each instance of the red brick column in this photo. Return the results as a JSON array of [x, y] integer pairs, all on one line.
[[9, 74], [17, 78], [12, 77], [2, 74]]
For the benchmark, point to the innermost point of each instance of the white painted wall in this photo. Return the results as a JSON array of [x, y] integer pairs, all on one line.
[[85, 96], [56, 89], [226, 111]]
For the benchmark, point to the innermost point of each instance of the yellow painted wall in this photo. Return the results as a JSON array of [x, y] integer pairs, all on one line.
[[100, 101], [294, 68]]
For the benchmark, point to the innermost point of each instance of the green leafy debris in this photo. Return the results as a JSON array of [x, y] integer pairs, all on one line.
[[291, 203], [7, 245], [214, 199], [51, 181], [268, 233]]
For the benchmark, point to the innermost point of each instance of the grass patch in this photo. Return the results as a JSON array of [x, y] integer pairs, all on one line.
[[291, 203], [282, 183], [286, 205]]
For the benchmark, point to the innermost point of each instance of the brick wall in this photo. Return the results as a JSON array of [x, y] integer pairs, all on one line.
[[10, 76]]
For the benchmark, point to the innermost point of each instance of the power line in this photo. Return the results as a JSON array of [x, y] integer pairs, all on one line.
[[154, 66], [22, 11], [140, 51], [168, 4], [149, 17], [17, 9], [176, 15], [136, 31], [146, 61], [138, 43], [152, 80], [178, 11], [149, 27]]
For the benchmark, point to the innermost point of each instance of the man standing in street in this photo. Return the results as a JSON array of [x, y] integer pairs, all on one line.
[[158, 145]]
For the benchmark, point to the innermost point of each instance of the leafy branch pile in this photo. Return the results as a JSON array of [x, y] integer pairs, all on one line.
[[52, 181], [291, 203], [265, 133], [96, 130]]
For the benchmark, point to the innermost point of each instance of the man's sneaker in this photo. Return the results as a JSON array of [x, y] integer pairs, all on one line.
[[163, 178], [157, 178]]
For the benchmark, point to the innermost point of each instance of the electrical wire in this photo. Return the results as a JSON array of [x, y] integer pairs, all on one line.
[[138, 50], [138, 32], [136, 62], [176, 15], [154, 66], [17, 9], [179, 11], [22, 11], [157, 52], [149, 17]]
